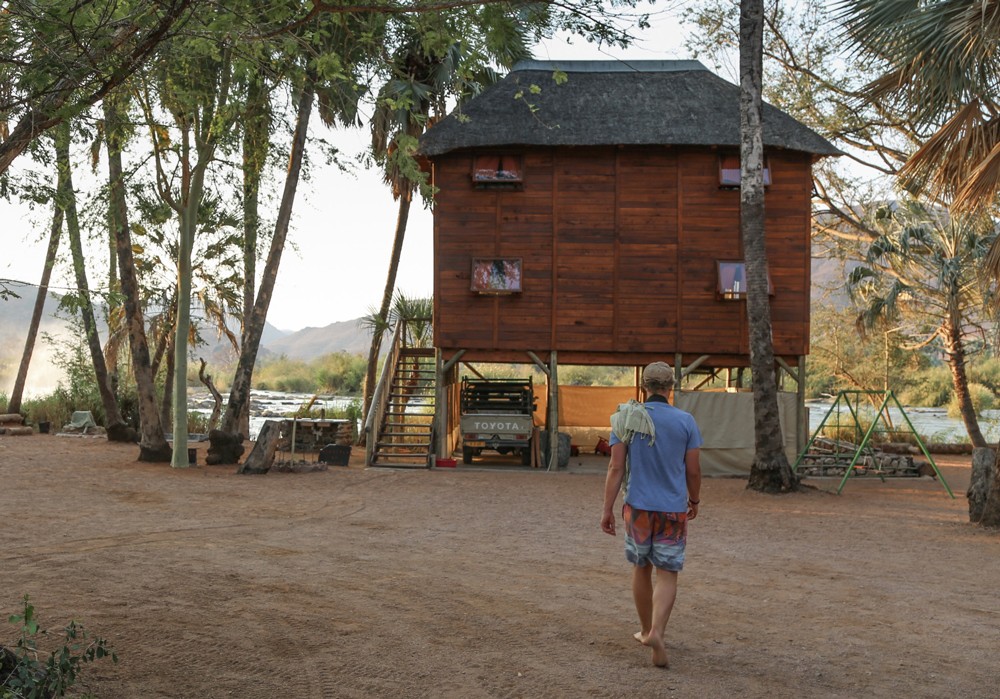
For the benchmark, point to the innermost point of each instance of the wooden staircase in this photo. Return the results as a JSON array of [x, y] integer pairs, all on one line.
[[400, 425]]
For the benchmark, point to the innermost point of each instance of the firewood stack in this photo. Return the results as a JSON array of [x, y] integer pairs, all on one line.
[[13, 424]]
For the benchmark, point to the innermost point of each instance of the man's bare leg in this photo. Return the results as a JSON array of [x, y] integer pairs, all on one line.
[[664, 594], [642, 593]]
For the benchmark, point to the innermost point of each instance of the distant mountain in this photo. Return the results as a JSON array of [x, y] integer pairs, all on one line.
[[309, 343], [43, 375], [15, 317]]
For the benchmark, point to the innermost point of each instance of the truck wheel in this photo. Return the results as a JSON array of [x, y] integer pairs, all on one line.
[[526, 456], [467, 454]]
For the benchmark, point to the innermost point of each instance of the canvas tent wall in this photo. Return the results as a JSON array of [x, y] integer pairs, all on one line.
[[724, 418]]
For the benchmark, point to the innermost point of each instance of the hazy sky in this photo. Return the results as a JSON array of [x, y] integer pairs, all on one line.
[[342, 224]]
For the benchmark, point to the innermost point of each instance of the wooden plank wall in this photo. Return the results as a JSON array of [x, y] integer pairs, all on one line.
[[619, 249]]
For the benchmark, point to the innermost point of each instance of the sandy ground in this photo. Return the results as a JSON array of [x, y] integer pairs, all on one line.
[[480, 583]]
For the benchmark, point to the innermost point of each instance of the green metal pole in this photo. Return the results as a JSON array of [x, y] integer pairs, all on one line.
[[923, 448]]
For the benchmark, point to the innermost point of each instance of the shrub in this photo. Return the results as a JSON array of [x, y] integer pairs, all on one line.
[[23, 671], [197, 422], [982, 399], [931, 387], [986, 371], [55, 408]]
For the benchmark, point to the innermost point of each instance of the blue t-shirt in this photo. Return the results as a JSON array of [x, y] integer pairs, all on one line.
[[657, 473]]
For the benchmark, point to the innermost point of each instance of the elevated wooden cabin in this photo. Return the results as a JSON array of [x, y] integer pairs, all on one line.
[[588, 213]]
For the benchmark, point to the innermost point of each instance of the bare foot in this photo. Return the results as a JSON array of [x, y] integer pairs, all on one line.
[[659, 650], [639, 637]]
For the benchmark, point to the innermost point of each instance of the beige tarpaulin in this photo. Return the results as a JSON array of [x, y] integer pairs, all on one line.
[[584, 411], [726, 424], [725, 420]]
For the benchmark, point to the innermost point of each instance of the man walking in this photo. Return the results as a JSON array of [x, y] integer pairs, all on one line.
[[655, 463]]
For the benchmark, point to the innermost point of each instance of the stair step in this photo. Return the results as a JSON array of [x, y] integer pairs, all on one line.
[[397, 447], [387, 464]]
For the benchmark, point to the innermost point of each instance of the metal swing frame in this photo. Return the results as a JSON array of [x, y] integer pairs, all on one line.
[[853, 408]]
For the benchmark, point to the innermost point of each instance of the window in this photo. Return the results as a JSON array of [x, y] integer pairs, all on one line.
[[732, 280], [496, 275], [503, 171], [729, 172]]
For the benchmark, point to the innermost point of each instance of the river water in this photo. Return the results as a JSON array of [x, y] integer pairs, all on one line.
[[272, 404], [933, 424]]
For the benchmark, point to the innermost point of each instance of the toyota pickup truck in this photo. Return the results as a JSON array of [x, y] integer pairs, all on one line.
[[497, 414]]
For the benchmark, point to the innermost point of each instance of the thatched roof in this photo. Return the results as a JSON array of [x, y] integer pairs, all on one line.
[[612, 103]]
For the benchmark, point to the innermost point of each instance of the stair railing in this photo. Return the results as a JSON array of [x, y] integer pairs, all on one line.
[[380, 399]]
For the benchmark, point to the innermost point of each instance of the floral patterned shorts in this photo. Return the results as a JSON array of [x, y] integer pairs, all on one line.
[[656, 538]]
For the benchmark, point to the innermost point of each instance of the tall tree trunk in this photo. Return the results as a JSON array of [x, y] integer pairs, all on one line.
[[16, 395], [115, 425], [256, 140], [182, 324], [770, 471], [163, 341], [239, 394], [991, 508], [153, 445], [390, 286], [166, 401], [213, 419], [955, 350]]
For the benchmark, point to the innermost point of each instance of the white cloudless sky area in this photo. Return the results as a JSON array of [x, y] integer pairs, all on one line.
[[334, 265]]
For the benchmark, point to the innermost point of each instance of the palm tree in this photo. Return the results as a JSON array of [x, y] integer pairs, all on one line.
[[941, 71], [924, 274], [941, 67], [403, 106], [421, 78], [417, 314]]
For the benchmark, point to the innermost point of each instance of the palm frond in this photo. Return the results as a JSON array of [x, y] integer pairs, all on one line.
[[943, 164], [982, 186]]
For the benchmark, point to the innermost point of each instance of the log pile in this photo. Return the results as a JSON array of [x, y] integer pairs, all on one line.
[[829, 457], [312, 435], [13, 424], [299, 438]]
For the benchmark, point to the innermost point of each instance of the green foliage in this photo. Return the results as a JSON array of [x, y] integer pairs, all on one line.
[[576, 375], [930, 388], [283, 374], [53, 408], [197, 422], [841, 358], [569, 375], [341, 373], [352, 411], [78, 389], [986, 371], [27, 673], [982, 399]]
